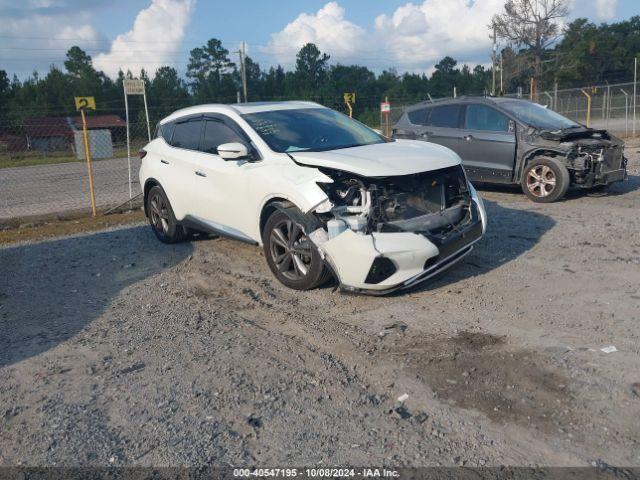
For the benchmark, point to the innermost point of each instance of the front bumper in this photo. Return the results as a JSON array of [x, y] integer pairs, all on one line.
[[415, 256], [612, 167]]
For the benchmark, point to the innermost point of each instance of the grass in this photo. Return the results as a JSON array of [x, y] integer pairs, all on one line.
[[56, 227], [40, 158]]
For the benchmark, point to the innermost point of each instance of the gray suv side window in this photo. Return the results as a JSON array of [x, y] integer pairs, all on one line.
[[447, 116], [419, 117], [186, 134], [481, 117]]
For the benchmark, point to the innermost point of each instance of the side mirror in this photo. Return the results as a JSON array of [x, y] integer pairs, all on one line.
[[233, 151], [512, 126]]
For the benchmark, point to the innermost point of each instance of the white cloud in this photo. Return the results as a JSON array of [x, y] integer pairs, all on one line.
[[151, 43], [414, 37], [327, 28], [606, 9], [417, 36], [35, 39]]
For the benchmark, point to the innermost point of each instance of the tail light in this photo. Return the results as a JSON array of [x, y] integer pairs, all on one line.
[[142, 154]]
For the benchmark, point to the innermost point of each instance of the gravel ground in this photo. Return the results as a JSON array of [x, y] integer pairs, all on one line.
[[118, 350]]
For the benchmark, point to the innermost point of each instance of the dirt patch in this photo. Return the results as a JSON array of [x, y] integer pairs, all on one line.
[[479, 371]]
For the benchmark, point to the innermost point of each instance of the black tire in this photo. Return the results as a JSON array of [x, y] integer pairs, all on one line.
[[545, 180], [292, 258], [161, 218]]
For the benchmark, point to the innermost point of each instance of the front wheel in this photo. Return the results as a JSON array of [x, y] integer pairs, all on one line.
[[291, 256], [545, 180]]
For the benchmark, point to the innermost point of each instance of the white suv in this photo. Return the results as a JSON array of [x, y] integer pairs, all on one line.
[[322, 193]]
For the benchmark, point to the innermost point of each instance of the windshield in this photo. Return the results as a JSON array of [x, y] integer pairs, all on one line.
[[310, 129], [536, 115]]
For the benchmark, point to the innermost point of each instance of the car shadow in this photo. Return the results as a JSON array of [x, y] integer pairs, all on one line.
[[510, 233], [631, 184], [50, 291]]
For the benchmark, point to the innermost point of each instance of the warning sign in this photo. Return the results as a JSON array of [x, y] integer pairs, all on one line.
[[85, 102]]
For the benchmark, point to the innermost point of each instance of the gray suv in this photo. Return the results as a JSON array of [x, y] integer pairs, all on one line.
[[514, 141]]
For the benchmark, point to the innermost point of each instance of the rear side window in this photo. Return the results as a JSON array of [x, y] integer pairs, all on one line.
[[419, 117], [165, 131], [216, 133], [187, 134], [445, 116], [481, 117]]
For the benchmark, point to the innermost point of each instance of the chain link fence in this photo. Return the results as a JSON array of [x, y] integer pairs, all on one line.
[[43, 171]]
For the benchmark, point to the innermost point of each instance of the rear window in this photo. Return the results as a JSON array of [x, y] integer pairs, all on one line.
[[187, 134], [445, 116], [419, 117]]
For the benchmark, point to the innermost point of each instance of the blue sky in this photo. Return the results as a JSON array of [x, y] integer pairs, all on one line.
[[130, 34]]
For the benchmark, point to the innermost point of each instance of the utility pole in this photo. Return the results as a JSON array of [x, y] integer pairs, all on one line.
[[244, 72], [493, 64], [501, 87], [243, 69], [635, 83]]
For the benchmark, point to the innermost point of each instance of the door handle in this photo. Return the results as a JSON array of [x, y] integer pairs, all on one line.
[[200, 173], [164, 161], [468, 138]]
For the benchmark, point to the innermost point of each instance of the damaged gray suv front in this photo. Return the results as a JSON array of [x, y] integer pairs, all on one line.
[[514, 141]]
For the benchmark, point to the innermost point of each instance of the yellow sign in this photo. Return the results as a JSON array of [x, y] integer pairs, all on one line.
[[350, 97], [85, 102]]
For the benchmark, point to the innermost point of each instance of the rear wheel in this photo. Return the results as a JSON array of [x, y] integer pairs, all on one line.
[[163, 222], [291, 256], [545, 180]]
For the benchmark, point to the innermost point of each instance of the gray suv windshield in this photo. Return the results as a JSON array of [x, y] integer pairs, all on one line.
[[536, 115], [310, 129]]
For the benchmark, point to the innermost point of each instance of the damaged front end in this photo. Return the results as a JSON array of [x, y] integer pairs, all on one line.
[[380, 234], [593, 157]]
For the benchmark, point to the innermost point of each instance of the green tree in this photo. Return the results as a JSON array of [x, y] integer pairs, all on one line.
[[311, 69], [444, 78], [211, 72]]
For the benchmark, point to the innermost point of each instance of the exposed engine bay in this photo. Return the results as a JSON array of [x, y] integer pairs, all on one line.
[[432, 203], [382, 233], [593, 157]]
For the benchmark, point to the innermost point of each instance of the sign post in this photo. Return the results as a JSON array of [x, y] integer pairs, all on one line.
[[83, 103], [134, 86], [350, 99], [385, 109]]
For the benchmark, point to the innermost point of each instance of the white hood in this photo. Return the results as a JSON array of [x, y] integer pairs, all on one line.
[[401, 157]]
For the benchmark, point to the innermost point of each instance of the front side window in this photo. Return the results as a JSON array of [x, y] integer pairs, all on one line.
[[310, 129], [445, 116], [216, 133], [187, 134], [481, 117]]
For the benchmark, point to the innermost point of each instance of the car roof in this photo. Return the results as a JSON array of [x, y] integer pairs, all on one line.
[[463, 99], [240, 108]]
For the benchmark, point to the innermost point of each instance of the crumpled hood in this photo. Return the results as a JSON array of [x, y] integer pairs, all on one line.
[[401, 157]]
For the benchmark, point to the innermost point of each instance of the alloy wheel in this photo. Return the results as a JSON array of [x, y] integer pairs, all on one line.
[[541, 181], [290, 250], [159, 213]]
